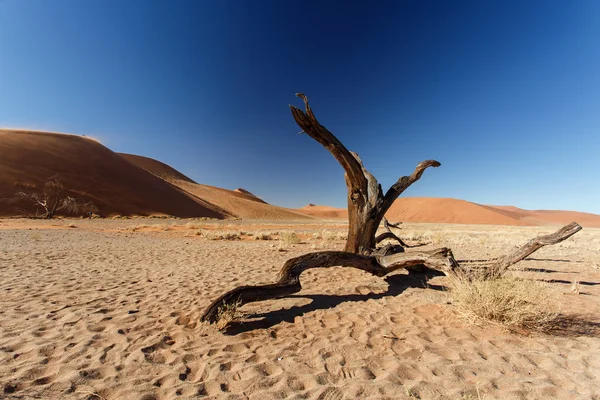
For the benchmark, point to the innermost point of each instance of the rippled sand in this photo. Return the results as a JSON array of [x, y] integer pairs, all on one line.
[[105, 311]]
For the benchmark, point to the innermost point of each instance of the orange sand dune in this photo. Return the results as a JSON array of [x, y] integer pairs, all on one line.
[[442, 210], [92, 172], [550, 217], [249, 196], [324, 212], [173, 176], [156, 167], [239, 202]]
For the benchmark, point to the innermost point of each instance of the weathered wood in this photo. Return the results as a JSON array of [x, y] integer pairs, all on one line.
[[367, 206], [366, 202], [388, 234], [289, 277], [503, 263]]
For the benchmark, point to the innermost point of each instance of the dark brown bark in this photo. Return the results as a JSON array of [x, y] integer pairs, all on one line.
[[289, 276], [388, 234], [366, 202]]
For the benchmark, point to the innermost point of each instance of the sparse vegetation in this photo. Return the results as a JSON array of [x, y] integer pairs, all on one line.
[[222, 236], [50, 199], [290, 238], [228, 312], [262, 236], [507, 300]]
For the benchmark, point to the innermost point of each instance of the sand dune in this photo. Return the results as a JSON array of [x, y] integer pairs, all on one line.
[[92, 172], [443, 210], [239, 204], [324, 212], [156, 167]]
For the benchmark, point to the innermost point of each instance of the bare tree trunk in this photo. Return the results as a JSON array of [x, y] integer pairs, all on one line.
[[366, 202]]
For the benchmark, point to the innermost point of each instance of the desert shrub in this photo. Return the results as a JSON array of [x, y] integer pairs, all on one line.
[[508, 300], [193, 225], [262, 236], [227, 313], [222, 236], [290, 238]]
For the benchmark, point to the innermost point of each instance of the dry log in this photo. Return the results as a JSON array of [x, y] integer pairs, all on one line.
[[289, 276], [503, 263]]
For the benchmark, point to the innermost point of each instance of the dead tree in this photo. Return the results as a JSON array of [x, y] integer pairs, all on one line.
[[367, 205], [49, 201]]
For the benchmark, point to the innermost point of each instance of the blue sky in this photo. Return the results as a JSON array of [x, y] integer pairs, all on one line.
[[505, 94]]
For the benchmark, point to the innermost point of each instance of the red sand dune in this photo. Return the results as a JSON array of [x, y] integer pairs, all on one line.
[[443, 210], [239, 202], [92, 172], [324, 212], [156, 167]]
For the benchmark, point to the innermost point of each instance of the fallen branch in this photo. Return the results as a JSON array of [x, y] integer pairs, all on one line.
[[503, 263], [289, 276]]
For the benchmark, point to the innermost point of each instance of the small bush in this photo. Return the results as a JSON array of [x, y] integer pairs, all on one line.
[[290, 238], [227, 313], [193, 225], [510, 301], [262, 236], [222, 236]]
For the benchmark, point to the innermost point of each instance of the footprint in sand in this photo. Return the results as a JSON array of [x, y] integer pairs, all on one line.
[[331, 394]]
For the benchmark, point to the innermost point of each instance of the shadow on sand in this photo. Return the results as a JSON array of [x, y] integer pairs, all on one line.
[[396, 284]]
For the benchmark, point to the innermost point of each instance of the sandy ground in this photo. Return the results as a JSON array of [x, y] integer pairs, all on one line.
[[108, 310]]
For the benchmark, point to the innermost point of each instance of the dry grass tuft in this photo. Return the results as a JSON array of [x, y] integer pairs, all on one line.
[[222, 236], [227, 314], [263, 236], [290, 238], [508, 300]]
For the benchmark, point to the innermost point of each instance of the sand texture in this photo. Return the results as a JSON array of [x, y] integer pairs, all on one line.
[[109, 309]]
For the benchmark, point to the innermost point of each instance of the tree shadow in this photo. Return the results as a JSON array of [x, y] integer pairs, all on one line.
[[545, 270], [584, 283], [573, 326], [396, 285], [550, 259]]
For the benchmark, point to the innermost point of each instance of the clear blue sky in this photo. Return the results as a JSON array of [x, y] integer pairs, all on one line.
[[505, 94]]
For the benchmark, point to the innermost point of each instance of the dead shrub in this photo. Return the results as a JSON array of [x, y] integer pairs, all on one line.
[[227, 314], [290, 238], [507, 300], [262, 236]]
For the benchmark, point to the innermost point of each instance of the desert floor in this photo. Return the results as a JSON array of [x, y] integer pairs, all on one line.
[[108, 309]]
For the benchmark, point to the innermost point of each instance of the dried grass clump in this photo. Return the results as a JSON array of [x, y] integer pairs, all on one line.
[[507, 300], [290, 238], [263, 236], [227, 314], [222, 236], [193, 225]]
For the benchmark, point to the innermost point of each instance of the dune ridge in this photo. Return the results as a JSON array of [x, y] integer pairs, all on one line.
[[455, 211], [90, 171]]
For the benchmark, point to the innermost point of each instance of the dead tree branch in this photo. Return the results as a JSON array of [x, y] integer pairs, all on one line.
[[289, 276]]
